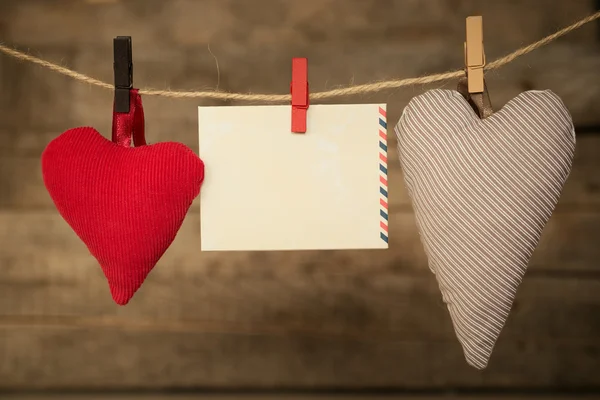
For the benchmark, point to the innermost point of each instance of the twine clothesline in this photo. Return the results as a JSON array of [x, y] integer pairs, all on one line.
[[345, 91]]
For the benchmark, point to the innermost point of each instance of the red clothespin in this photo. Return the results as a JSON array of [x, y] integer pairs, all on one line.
[[299, 90]]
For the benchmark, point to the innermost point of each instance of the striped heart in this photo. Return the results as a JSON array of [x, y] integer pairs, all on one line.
[[482, 191]]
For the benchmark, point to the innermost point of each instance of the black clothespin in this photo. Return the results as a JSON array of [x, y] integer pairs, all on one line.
[[123, 68]]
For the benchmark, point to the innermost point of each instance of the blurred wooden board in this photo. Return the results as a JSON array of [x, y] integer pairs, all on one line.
[[284, 319], [309, 319], [99, 359], [111, 396], [197, 22], [289, 319], [42, 258], [22, 187]]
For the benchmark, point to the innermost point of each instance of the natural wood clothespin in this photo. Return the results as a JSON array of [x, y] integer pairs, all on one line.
[[473, 87], [475, 54]]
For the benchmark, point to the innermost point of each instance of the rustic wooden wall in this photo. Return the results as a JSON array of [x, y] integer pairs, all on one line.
[[284, 319]]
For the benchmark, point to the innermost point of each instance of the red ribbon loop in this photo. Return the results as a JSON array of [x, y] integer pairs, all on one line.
[[130, 125]]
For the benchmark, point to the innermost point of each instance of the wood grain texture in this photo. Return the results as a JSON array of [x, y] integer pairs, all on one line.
[[22, 187], [103, 358], [41, 253], [32, 99], [354, 318], [285, 319], [152, 20], [175, 46], [278, 396]]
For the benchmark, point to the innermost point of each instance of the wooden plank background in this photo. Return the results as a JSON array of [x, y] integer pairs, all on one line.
[[261, 396], [119, 396], [317, 319]]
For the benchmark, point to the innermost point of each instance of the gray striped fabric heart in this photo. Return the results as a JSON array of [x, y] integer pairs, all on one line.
[[482, 191]]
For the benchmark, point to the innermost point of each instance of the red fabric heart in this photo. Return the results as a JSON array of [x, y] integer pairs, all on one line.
[[125, 203]]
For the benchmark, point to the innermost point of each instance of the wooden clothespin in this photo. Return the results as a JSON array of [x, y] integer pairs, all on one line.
[[473, 87], [299, 91], [475, 54], [123, 70]]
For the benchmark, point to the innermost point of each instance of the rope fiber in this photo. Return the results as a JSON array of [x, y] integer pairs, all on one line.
[[271, 98]]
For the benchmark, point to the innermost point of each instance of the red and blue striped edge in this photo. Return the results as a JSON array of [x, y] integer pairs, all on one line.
[[383, 175]]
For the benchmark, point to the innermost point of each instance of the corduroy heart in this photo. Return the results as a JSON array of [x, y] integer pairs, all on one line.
[[125, 203], [482, 191]]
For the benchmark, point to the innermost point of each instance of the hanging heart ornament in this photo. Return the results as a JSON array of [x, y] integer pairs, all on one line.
[[482, 191], [125, 203]]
